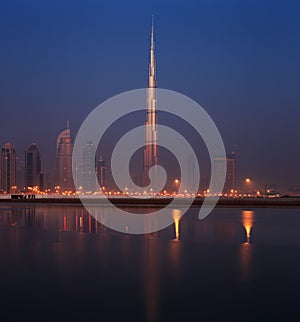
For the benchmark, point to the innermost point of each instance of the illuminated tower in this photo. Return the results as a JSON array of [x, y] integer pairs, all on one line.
[[150, 150], [229, 161], [230, 184], [33, 175], [8, 168], [64, 150], [100, 168], [88, 168]]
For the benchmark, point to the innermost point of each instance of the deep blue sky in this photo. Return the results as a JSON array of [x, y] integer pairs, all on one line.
[[240, 60]]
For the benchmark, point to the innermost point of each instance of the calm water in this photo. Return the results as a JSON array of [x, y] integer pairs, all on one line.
[[237, 264]]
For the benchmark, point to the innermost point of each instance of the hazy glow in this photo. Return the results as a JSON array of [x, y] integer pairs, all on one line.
[[247, 219], [176, 217]]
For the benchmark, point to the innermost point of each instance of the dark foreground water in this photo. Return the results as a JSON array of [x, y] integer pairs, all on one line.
[[235, 265]]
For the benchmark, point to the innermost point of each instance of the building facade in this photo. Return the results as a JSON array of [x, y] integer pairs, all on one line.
[[230, 179], [8, 169], [33, 168], [101, 172], [64, 150], [150, 149], [230, 182], [88, 169]]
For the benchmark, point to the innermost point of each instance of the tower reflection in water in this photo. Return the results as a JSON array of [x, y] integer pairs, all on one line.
[[67, 236], [246, 251], [176, 217], [247, 220], [223, 226]]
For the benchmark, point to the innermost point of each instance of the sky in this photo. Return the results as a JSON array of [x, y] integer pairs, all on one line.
[[240, 60]]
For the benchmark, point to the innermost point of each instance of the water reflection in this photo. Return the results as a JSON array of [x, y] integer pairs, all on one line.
[[76, 219], [176, 213], [247, 219], [52, 247], [246, 251], [151, 280], [224, 225]]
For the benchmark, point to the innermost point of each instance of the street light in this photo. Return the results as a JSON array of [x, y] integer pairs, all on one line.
[[249, 185], [176, 183]]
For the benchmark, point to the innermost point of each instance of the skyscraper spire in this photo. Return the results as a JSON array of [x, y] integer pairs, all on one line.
[[150, 150], [152, 67]]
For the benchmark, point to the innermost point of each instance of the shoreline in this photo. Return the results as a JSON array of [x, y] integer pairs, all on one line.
[[162, 202]]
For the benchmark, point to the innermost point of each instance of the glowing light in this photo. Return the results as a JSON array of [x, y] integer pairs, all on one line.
[[65, 223], [176, 217], [247, 218], [247, 180]]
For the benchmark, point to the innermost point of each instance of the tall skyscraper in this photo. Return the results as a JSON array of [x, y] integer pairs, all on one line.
[[229, 184], [20, 174], [88, 168], [100, 167], [64, 150], [33, 168], [150, 150], [8, 168]]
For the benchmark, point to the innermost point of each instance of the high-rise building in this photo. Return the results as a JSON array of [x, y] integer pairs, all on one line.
[[150, 150], [8, 168], [20, 174], [33, 168], [230, 184], [191, 168], [64, 150], [100, 168], [204, 183], [88, 170]]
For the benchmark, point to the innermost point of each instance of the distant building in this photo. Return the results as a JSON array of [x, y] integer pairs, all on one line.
[[49, 181], [101, 172], [230, 182], [33, 168], [20, 175], [191, 170], [204, 183], [64, 150], [88, 172], [8, 168], [230, 179]]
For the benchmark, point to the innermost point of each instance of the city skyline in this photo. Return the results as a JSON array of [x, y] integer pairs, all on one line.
[[149, 160], [248, 88], [91, 168]]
